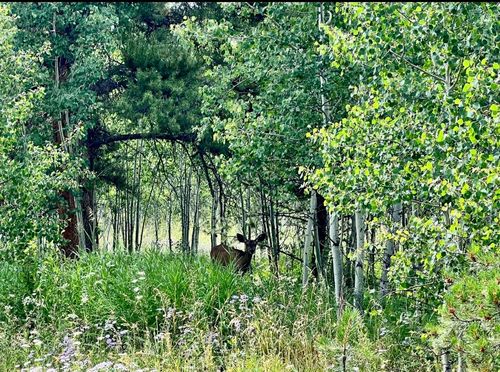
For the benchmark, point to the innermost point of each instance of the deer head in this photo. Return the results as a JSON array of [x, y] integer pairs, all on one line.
[[251, 245]]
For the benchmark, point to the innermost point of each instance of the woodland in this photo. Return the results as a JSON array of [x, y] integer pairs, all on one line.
[[249, 186]]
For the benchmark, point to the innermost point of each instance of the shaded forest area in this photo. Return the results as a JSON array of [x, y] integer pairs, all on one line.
[[361, 140]]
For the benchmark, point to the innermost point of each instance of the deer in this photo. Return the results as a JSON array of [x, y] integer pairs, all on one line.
[[242, 259]]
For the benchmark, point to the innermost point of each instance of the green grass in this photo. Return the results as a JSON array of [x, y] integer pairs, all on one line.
[[172, 312]]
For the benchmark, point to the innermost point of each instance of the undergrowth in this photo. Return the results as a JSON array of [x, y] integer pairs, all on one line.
[[155, 311]]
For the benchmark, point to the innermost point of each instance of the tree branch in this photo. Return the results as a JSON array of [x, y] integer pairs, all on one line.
[[182, 137], [417, 67]]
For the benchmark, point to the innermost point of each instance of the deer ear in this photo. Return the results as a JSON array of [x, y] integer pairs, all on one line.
[[240, 238], [261, 237]]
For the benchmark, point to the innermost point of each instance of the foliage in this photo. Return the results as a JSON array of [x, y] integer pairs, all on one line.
[[379, 104], [422, 127], [262, 89], [28, 178]]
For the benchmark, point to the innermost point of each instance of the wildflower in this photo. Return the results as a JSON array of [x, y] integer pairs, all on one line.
[[257, 299], [69, 350], [170, 313], [243, 298], [110, 342], [186, 330], [37, 342], [101, 366], [109, 325], [36, 369], [212, 338], [236, 323], [160, 336]]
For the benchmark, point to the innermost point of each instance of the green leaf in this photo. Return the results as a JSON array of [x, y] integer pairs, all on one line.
[[465, 188], [440, 137]]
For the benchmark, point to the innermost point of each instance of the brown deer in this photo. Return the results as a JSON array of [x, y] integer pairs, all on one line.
[[242, 259]]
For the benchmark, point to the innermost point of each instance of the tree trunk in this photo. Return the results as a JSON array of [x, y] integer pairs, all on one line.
[[89, 218], [67, 209], [266, 226], [320, 269], [308, 238], [185, 207], [137, 190], [169, 224], [371, 258], [350, 232], [196, 218], [360, 256], [243, 214], [250, 220], [321, 227], [274, 235], [337, 261], [114, 212], [213, 218], [145, 216], [445, 360], [156, 221]]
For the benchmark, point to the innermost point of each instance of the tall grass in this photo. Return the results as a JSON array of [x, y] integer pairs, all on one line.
[[172, 312]]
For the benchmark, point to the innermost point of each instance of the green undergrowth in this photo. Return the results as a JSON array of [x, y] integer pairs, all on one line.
[[156, 311]]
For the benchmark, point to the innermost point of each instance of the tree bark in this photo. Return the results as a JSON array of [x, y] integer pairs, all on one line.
[[360, 256], [213, 218], [169, 224], [337, 261], [274, 236], [308, 239], [196, 218], [137, 192], [445, 360]]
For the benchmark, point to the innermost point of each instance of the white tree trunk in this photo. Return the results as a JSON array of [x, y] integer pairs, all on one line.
[[336, 259], [445, 360]]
